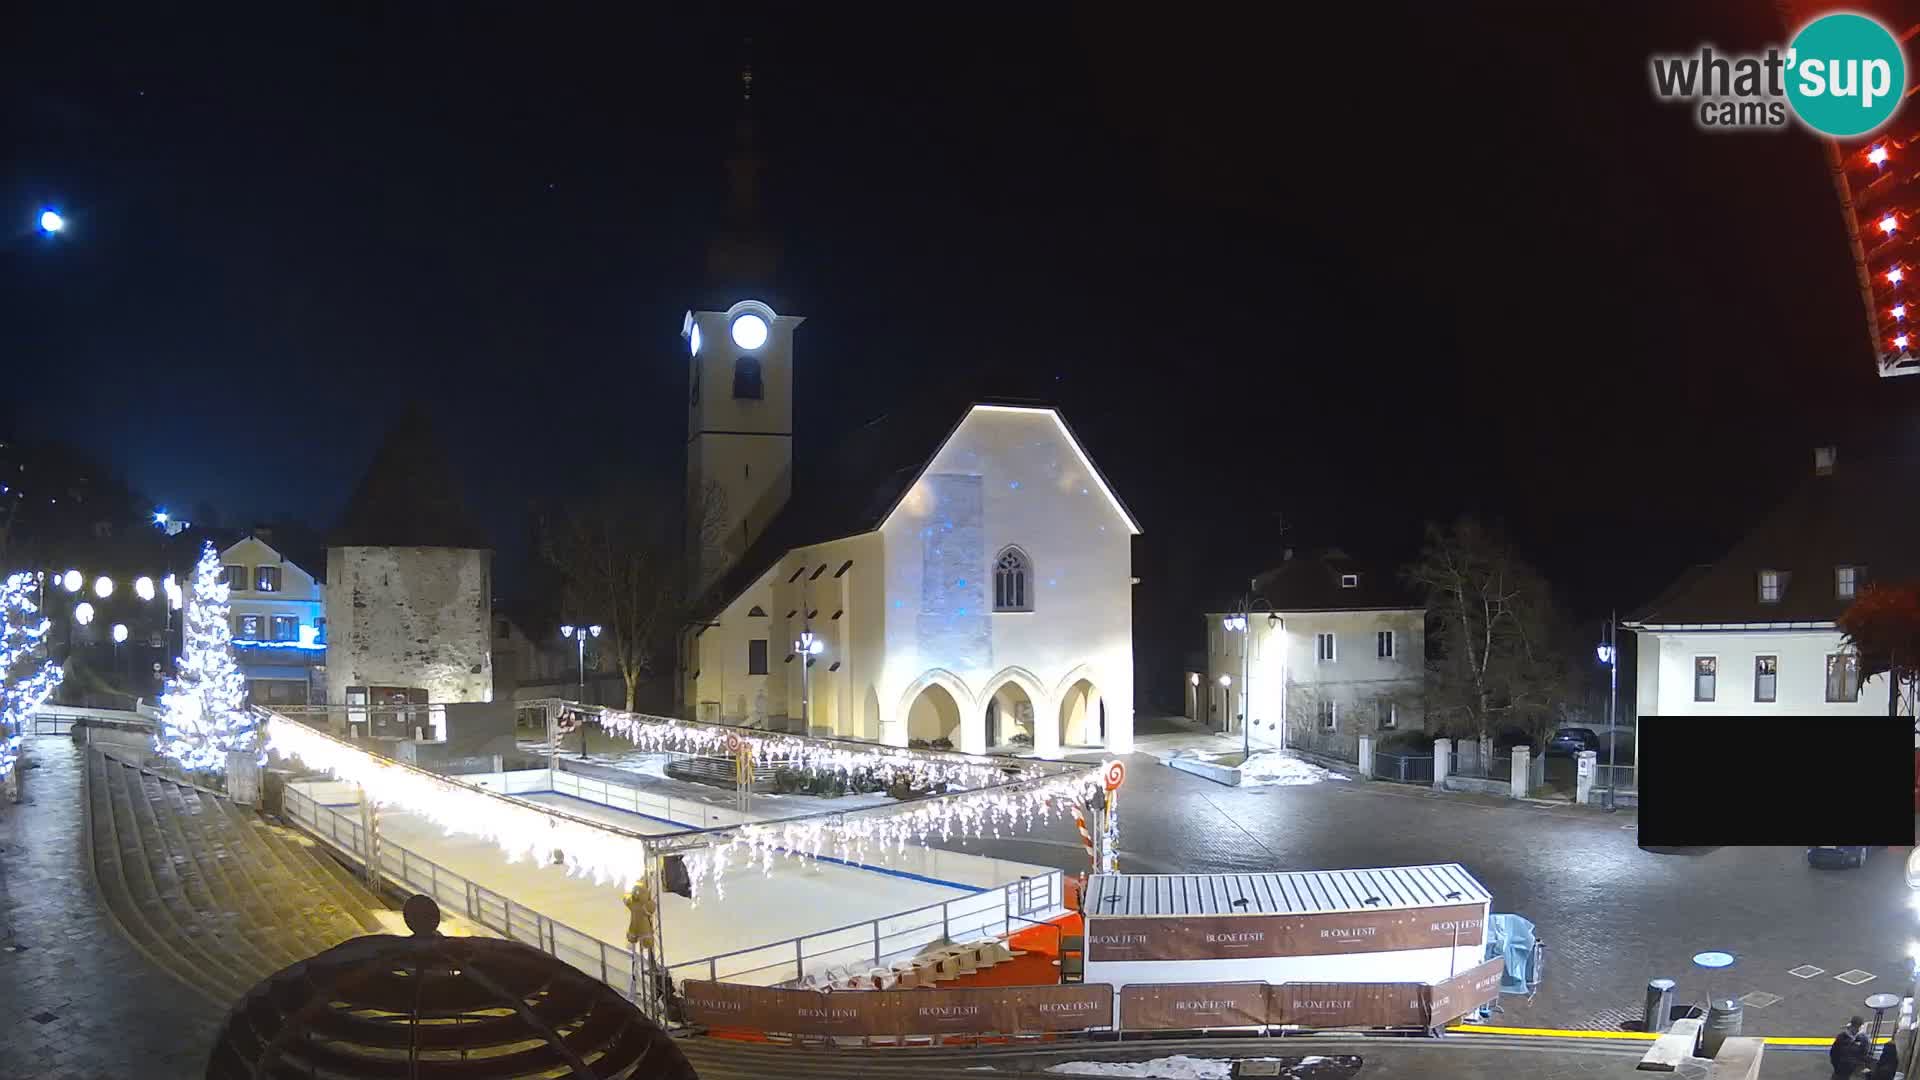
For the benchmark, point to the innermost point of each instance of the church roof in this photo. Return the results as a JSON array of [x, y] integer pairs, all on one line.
[[859, 484], [408, 496], [1862, 514]]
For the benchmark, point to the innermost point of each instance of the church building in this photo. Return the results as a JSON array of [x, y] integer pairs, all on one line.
[[959, 572]]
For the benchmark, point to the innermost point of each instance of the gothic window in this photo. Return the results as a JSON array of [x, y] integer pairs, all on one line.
[[746, 377], [1012, 581]]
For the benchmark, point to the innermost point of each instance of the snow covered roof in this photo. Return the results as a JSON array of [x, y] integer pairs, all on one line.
[[1301, 892]]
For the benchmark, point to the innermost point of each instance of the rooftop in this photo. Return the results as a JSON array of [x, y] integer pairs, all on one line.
[[1296, 893]]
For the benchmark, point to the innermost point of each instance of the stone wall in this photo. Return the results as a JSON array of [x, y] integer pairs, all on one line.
[[410, 617]]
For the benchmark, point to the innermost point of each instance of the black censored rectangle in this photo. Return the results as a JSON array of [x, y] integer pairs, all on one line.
[[1723, 781]]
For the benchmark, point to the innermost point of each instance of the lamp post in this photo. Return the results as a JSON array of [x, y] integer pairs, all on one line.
[[1240, 623], [579, 634], [1609, 654], [807, 647]]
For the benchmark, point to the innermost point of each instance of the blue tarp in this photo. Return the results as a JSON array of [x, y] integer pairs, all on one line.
[[1511, 937]]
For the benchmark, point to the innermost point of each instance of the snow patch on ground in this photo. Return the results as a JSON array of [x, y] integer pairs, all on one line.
[[1178, 1067], [1271, 768]]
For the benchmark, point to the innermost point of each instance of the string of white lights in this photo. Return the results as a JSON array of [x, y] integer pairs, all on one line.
[[27, 676]]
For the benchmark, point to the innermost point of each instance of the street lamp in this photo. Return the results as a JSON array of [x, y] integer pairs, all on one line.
[[51, 222], [71, 581], [1609, 653], [103, 587], [83, 613], [143, 588], [1238, 624], [580, 634], [807, 647]]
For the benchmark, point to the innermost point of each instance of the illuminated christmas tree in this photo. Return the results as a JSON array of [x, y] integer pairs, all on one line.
[[27, 674], [204, 707]]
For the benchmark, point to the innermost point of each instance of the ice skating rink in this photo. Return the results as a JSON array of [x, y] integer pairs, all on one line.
[[759, 912]]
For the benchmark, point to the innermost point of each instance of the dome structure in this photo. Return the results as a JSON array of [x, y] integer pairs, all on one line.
[[435, 1006]]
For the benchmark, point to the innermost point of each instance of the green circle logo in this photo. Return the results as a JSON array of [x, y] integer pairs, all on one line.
[[1846, 75]]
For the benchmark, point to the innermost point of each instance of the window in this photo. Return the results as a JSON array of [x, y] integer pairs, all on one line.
[[1704, 669], [1323, 650], [320, 629], [1843, 677], [266, 578], [1769, 586], [277, 692], [286, 628], [757, 612], [1846, 581], [746, 377], [1012, 581], [1349, 581], [235, 577], [1329, 716], [247, 626], [844, 567], [1388, 714], [757, 656], [815, 576], [1383, 644], [1766, 677]]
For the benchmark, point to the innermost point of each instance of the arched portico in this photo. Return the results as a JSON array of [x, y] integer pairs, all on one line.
[[936, 706], [1015, 702], [1081, 712]]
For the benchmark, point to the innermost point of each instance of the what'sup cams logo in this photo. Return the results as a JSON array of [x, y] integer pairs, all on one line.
[[1843, 75]]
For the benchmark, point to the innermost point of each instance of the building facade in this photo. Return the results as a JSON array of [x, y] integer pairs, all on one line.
[[1332, 649], [278, 613], [962, 569], [1756, 632]]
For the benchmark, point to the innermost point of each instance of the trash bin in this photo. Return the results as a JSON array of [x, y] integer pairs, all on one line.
[[1659, 1013], [1722, 1023]]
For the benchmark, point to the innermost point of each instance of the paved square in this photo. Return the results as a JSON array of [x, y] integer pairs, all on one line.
[[1806, 971], [1760, 999], [1854, 977]]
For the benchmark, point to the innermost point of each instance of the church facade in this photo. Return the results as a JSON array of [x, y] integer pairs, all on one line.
[[958, 573]]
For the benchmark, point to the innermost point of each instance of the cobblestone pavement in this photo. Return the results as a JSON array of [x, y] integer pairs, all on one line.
[[76, 1000], [1612, 916]]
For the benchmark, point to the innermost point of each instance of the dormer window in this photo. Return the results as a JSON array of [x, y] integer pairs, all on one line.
[[1846, 581], [1770, 584], [1349, 581]]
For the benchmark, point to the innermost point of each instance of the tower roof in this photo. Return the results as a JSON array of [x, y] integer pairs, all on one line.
[[408, 496], [743, 255]]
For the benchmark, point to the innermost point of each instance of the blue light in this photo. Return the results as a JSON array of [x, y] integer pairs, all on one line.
[[960, 584], [1015, 485], [249, 643], [51, 222], [159, 517], [963, 611]]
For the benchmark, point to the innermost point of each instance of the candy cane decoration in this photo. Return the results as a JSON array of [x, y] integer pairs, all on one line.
[[1086, 838]]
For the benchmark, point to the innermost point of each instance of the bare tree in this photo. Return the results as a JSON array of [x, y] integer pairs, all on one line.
[[1496, 665], [624, 563]]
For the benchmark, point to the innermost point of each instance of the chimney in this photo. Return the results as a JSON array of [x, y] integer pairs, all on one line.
[[1823, 460]]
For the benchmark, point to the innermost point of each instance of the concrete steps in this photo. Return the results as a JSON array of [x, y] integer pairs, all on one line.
[[210, 891]]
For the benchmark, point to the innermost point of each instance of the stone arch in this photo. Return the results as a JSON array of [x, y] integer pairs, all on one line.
[[921, 711], [1080, 709], [1001, 703]]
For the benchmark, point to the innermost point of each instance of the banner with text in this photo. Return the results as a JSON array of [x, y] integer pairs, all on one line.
[[1219, 937]]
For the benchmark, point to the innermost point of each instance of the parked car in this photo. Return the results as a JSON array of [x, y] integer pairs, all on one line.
[[1834, 858], [1569, 741]]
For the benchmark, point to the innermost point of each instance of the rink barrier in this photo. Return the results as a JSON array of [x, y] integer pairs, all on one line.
[[1091, 1007], [990, 912], [618, 966]]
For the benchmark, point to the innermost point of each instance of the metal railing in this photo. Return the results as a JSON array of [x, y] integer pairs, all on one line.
[[1404, 768], [1625, 777], [60, 719], [617, 965], [877, 943]]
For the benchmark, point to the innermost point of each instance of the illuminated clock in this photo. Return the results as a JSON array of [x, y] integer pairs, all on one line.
[[749, 331], [693, 339]]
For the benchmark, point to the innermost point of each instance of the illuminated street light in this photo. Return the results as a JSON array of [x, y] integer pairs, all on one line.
[[808, 646], [1226, 680], [143, 588], [119, 632], [83, 613], [160, 517], [580, 635], [51, 222], [174, 595], [103, 587], [71, 581]]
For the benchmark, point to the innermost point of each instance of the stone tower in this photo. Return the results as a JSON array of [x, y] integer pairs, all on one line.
[[409, 581]]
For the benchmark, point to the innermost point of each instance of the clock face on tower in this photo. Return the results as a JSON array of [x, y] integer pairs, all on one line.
[[693, 339], [749, 331]]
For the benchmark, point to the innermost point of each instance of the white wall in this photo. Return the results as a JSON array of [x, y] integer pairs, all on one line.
[[1665, 684], [1284, 678], [1009, 476], [1405, 965], [414, 617]]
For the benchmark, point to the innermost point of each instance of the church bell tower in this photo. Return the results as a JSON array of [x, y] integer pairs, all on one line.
[[740, 375]]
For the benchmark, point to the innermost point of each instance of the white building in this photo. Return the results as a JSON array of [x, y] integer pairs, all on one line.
[[1755, 632], [1338, 651], [278, 615], [964, 567]]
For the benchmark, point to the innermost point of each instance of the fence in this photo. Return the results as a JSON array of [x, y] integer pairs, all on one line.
[[1624, 777], [1405, 768], [616, 965], [990, 913], [60, 719]]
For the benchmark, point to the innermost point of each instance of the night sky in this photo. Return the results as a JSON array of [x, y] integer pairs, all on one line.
[[1351, 270]]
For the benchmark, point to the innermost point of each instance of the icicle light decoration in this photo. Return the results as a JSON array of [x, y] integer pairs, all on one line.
[[924, 769], [522, 830]]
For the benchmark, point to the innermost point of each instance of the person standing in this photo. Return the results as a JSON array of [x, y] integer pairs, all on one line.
[[1849, 1050], [1888, 1063]]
